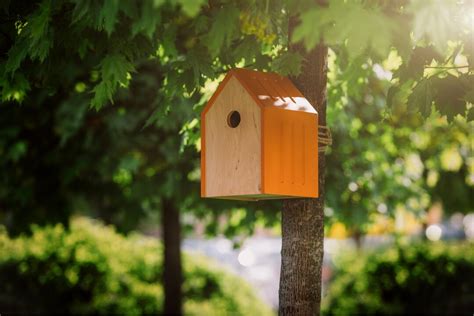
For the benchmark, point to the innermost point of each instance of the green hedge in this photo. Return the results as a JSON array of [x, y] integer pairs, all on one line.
[[91, 269], [422, 278]]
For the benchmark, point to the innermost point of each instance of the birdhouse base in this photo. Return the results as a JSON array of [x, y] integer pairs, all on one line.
[[254, 197]]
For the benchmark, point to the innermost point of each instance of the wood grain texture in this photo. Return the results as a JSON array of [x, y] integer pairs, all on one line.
[[233, 155], [290, 152], [302, 219], [286, 130]]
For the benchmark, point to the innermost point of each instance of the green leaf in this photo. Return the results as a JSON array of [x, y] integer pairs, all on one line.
[[40, 50], [148, 21], [348, 23], [38, 24], [15, 89], [223, 29], [188, 80], [103, 92], [16, 55], [198, 59], [37, 34], [421, 98], [398, 96], [449, 96], [420, 57], [168, 42], [81, 11], [115, 69], [309, 30], [108, 15], [191, 7], [246, 50], [288, 63]]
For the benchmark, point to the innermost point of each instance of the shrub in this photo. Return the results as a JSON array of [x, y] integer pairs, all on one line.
[[422, 278], [91, 269]]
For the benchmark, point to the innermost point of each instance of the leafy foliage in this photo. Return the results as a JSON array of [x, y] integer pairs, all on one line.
[[199, 47], [287, 63], [382, 162], [223, 28], [156, 60], [335, 25], [408, 279], [432, 38], [115, 70], [93, 270], [105, 163]]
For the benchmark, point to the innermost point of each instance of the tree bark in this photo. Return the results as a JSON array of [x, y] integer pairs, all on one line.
[[302, 219], [172, 271], [357, 235]]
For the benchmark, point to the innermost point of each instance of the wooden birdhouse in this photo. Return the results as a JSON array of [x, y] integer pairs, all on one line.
[[259, 139]]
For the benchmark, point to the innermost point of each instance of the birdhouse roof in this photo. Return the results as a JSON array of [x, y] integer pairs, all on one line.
[[267, 89]]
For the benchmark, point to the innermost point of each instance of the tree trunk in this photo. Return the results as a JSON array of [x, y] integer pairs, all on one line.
[[357, 235], [172, 272], [302, 219]]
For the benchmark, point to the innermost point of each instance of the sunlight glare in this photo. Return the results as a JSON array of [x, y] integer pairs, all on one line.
[[246, 258], [434, 232]]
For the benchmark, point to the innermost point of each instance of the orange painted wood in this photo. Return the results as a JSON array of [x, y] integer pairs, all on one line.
[[290, 153], [272, 153]]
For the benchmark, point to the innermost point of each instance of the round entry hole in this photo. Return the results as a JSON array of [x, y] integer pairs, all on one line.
[[233, 119]]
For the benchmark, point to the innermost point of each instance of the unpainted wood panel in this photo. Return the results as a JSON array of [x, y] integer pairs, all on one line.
[[233, 155]]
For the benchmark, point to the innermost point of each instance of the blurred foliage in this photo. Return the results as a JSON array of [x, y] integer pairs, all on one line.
[[119, 163], [400, 105], [61, 158], [381, 162], [420, 279], [148, 68], [91, 269], [433, 39], [201, 40]]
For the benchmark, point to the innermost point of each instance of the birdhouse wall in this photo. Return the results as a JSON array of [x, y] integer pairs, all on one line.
[[290, 153], [231, 156]]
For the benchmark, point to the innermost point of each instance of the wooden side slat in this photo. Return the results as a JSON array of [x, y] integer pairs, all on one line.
[[233, 155]]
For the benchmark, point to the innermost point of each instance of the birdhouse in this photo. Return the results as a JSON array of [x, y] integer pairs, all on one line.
[[259, 139]]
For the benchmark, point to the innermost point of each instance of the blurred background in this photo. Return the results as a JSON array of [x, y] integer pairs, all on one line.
[[93, 192]]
